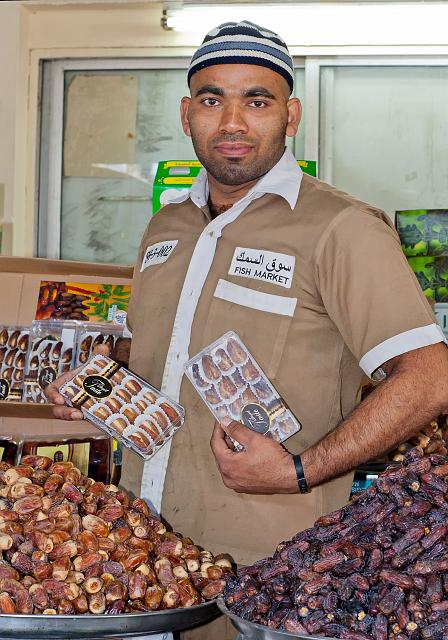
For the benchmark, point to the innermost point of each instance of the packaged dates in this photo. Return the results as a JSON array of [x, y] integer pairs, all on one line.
[[51, 353], [14, 342], [234, 387], [124, 405]]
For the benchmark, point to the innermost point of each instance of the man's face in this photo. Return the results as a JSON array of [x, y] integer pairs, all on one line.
[[238, 117]]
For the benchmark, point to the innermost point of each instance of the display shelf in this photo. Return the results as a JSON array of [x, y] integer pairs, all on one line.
[[25, 410]]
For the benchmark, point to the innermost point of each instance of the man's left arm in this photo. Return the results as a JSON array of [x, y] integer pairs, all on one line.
[[414, 392]]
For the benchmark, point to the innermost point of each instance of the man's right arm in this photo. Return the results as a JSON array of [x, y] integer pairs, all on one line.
[[120, 353]]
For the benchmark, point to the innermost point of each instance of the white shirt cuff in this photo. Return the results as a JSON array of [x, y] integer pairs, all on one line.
[[401, 343]]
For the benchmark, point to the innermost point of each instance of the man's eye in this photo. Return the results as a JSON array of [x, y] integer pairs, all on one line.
[[259, 104], [211, 102]]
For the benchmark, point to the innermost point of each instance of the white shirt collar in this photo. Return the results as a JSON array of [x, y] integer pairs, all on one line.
[[284, 179]]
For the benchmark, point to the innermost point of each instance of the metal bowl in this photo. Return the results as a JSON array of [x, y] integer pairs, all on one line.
[[40, 627], [253, 631]]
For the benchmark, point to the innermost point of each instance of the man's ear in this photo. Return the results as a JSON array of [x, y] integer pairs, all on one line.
[[184, 106], [294, 115]]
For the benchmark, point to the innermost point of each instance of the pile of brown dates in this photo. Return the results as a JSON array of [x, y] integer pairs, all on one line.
[[71, 545]]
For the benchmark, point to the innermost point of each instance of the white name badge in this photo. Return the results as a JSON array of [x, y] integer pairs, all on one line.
[[277, 268], [158, 253]]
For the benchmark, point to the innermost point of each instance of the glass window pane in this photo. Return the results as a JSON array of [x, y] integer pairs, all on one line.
[[386, 134], [103, 216]]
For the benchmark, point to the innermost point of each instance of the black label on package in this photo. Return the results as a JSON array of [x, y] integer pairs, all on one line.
[[97, 386], [4, 389], [47, 375], [255, 417]]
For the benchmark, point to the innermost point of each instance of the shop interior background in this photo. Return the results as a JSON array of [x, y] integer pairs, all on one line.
[[89, 105]]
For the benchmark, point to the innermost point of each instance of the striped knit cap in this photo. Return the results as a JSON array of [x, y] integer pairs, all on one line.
[[243, 43]]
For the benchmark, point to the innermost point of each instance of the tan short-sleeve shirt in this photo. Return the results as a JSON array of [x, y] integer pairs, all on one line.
[[349, 297]]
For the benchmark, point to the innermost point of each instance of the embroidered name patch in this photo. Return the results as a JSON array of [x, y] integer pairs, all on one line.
[[258, 264], [158, 253]]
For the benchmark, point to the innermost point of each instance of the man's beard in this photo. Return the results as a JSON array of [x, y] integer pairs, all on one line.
[[232, 171]]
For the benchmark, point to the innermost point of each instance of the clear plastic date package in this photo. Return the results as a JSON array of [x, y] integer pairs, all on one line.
[[91, 335], [124, 405], [51, 353], [13, 350], [233, 385]]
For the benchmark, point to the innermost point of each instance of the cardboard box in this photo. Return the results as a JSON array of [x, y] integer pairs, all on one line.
[[423, 232], [180, 174], [20, 280], [88, 448]]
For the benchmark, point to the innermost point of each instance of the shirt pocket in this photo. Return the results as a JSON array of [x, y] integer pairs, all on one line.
[[262, 320]]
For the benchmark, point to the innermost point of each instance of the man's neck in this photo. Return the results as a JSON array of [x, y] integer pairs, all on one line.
[[215, 210], [223, 196]]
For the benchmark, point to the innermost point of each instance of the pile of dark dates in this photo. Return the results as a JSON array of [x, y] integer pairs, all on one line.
[[377, 568]]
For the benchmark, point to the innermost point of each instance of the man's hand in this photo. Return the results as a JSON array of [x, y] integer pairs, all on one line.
[[60, 410], [264, 467]]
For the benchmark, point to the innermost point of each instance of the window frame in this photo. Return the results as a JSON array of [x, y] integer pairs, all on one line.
[[321, 91]]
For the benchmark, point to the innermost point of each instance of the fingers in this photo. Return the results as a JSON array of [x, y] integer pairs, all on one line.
[[67, 413], [60, 410], [52, 394], [217, 442], [240, 432], [230, 443], [52, 390]]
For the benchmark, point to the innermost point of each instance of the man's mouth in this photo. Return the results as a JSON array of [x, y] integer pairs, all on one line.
[[233, 149]]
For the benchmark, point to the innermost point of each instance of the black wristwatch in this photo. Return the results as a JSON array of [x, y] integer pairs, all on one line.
[[301, 481]]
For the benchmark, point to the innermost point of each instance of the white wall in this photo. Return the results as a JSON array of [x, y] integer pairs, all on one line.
[[11, 32]]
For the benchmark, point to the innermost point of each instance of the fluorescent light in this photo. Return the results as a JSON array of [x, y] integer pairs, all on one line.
[[327, 23]]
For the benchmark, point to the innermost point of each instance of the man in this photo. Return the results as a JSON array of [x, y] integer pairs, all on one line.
[[350, 304]]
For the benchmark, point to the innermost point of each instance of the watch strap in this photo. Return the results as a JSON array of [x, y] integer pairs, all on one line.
[[301, 481]]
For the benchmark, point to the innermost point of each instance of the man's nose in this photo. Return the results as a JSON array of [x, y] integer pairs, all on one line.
[[232, 120]]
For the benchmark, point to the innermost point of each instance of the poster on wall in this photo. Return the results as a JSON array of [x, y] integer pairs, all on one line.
[[83, 301], [432, 275], [423, 232]]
